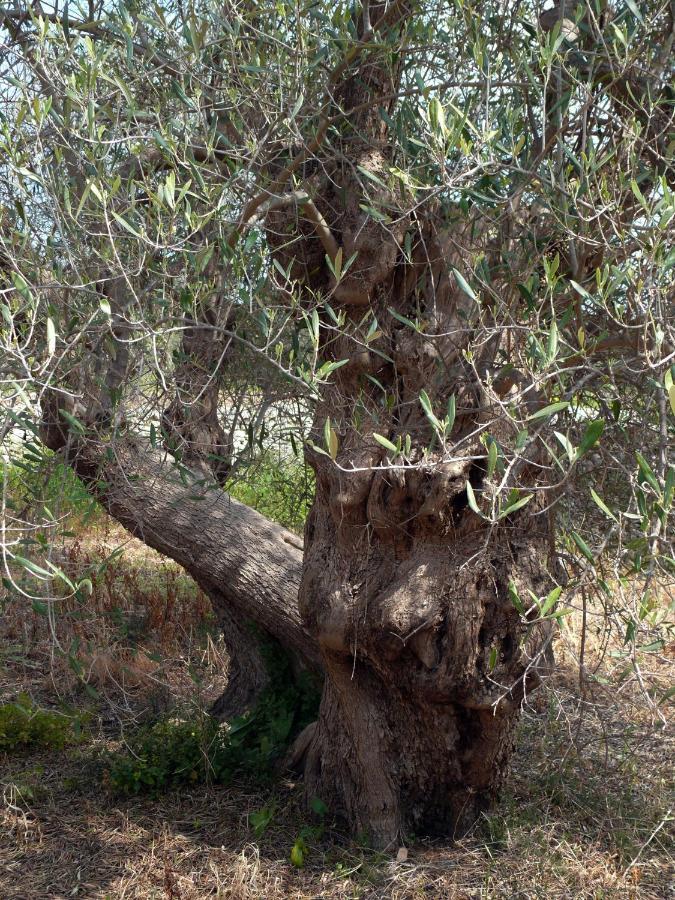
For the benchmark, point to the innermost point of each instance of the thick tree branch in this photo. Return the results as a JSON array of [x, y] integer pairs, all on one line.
[[243, 561]]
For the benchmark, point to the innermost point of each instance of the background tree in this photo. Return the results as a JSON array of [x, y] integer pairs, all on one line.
[[442, 232]]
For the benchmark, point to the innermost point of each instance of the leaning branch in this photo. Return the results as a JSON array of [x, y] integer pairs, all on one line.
[[243, 561]]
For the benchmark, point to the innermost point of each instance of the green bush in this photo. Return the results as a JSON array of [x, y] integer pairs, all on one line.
[[167, 754], [175, 752], [280, 489], [23, 726]]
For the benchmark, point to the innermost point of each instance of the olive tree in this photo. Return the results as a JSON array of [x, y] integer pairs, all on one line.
[[440, 230]]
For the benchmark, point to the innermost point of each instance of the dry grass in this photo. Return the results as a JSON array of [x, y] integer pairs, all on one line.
[[144, 640], [587, 812]]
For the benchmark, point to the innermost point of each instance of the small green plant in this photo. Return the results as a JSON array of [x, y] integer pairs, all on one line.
[[36, 478], [167, 754], [24, 726], [279, 489], [260, 819], [309, 833], [299, 852], [173, 752]]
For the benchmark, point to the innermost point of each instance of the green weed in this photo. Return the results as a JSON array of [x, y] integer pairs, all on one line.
[[280, 490], [261, 818], [174, 752], [23, 726], [167, 754], [37, 480]]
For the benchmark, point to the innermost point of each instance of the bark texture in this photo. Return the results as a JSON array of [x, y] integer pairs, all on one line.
[[426, 661]]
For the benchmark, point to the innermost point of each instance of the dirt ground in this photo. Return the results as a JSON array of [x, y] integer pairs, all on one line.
[[588, 811]]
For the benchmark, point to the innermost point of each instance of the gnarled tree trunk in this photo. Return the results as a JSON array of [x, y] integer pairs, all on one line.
[[405, 583], [426, 658]]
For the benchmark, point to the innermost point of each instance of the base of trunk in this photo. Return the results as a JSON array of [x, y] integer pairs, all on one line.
[[392, 765]]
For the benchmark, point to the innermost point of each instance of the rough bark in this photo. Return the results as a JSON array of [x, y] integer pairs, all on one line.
[[426, 662], [390, 763], [247, 674]]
